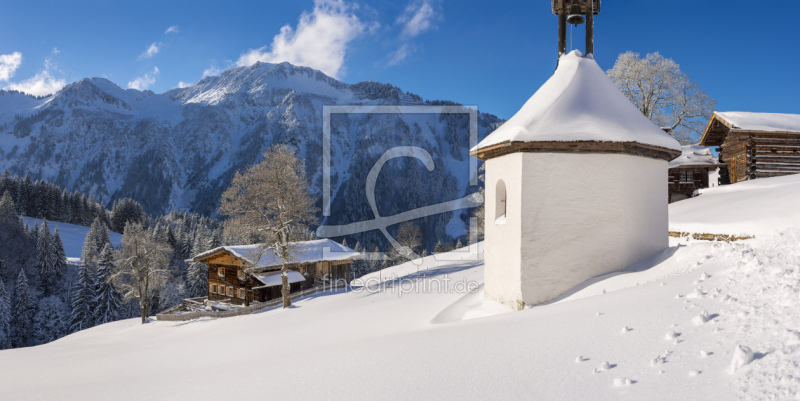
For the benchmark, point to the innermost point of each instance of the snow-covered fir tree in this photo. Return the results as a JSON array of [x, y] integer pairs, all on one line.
[[378, 260], [24, 195], [83, 300], [213, 240], [124, 211], [197, 279], [60, 267], [46, 258], [7, 208], [50, 321], [183, 245], [359, 266], [96, 239], [24, 310], [5, 317], [34, 233], [439, 248], [107, 299], [102, 236]]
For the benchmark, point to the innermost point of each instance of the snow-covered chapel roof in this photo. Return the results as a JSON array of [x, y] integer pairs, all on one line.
[[694, 155], [303, 252], [579, 103]]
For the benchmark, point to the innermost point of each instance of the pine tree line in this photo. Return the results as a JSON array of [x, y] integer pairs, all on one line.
[[45, 200], [43, 297]]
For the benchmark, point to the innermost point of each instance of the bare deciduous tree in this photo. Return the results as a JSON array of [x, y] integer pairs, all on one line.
[[270, 202], [142, 266], [410, 238], [664, 94]]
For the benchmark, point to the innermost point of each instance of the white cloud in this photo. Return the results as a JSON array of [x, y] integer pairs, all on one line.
[[182, 84], [41, 84], [144, 82], [320, 40], [399, 55], [9, 64], [210, 71], [418, 17], [172, 29], [44, 82], [151, 51]]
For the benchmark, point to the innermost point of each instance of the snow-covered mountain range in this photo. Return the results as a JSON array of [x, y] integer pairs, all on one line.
[[180, 149]]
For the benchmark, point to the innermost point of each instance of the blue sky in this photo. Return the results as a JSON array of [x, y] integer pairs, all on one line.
[[493, 54]]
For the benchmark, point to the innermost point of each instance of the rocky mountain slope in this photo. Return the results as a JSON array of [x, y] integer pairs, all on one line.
[[180, 149]]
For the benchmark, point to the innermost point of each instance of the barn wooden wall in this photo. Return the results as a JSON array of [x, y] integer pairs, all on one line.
[[751, 155]]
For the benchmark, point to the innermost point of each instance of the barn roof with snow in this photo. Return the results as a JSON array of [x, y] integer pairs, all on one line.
[[320, 250], [579, 104], [769, 122], [723, 123], [754, 145], [695, 156]]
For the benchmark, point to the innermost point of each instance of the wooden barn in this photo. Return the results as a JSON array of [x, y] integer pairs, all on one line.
[[315, 263], [754, 145], [690, 172]]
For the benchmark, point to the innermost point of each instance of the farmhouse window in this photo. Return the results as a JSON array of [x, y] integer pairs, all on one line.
[[230, 292], [213, 288], [221, 271], [241, 293], [687, 177]]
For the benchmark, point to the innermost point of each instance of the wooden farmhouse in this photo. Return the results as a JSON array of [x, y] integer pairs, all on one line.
[[754, 145], [315, 263], [691, 171]]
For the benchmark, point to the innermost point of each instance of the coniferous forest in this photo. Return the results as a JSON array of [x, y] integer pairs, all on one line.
[[45, 296]]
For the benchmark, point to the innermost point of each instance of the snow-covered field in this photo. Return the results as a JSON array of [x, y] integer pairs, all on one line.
[[666, 328], [71, 235], [750, 208]]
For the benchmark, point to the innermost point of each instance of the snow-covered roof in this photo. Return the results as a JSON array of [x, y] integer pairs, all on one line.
[[694, 155], [579, 103], [771, 122], [303, 252], [272, 279]]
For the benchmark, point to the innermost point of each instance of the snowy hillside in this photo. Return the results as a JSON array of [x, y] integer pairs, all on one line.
[[740, 209], [72, 236], [180, 149], [665, 329]]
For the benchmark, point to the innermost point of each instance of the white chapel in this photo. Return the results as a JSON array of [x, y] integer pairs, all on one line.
[[576, 187]]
